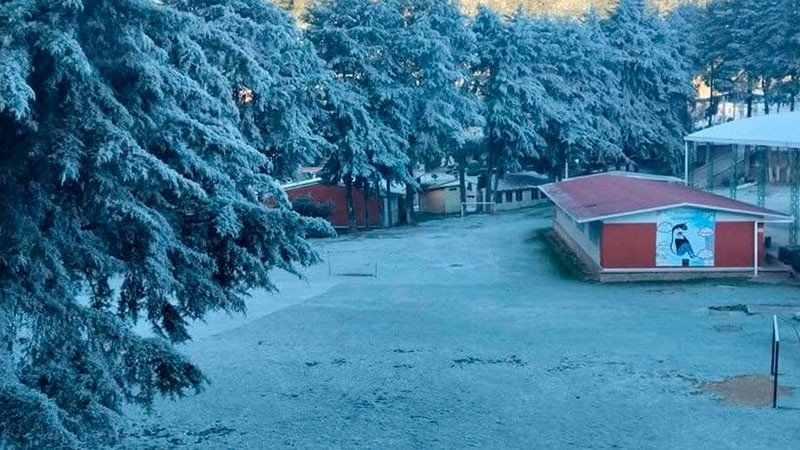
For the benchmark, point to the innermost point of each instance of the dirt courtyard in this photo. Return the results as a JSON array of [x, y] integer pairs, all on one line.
[[471, 336]]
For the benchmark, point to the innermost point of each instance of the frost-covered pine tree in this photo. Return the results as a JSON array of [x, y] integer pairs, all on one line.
[[276, 73], [505, 82], [714, 46], [574, 66], [367, 107], [131, 188], [434, 52], [655, 84]]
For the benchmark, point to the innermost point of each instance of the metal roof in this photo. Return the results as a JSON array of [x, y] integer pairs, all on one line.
[[520, 180], [605, 196], [775, 130]]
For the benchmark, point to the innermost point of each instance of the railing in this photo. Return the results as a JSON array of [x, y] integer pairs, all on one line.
[[773, 368]]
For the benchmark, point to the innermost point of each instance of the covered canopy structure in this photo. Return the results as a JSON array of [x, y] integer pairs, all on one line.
[[753, 136]]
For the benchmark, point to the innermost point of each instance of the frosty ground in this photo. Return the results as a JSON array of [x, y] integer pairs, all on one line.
[[471, 335]]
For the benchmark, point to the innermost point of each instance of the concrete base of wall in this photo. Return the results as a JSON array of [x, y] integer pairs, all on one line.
[[571, 256]]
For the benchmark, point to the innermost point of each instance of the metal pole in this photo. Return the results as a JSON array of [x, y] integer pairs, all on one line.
[[772, 347], [762, 177], [777, 346], [794, 194], [710, 168], [566, 170], [755, 248], [686, 163], [734, 170], [775, 381]]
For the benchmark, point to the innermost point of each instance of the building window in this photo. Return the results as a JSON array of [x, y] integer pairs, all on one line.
[[533, 194], [509, 196], [469, 186], [519, 196], [498, 198]]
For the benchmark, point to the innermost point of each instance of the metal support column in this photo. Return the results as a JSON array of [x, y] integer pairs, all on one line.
[[734, 170], [794, 181], [762, 176], [686, 163], [709, 168]]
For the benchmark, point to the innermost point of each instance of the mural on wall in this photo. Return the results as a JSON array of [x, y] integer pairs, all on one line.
[[685, 238]]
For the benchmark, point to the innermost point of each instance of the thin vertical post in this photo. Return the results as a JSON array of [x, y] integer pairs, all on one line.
[[734, 170], [772, 346], [775, 380], [762, 177], [755, 249], [776, 347], [795, 194], [686, 163], [710, 168]]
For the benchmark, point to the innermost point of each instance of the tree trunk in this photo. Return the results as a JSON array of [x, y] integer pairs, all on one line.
[[792, 107], [388, 203], [489, 198], [710, 98], [351, 210], [410, 219], [749, 100], [366, 206], [765, 91], [462, 186]]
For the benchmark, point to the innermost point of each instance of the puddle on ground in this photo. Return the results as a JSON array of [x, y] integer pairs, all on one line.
[[745, 390]]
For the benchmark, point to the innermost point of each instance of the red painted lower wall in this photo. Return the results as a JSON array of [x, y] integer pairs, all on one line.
[[733, 244], [632, 245], [628, 245], [337, 196]]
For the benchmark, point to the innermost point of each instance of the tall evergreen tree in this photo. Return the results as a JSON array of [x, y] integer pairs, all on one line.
[[505, 82], [278, 79], [131, 187], [655, 84], [369, 109], [573, 63], [434, 53]]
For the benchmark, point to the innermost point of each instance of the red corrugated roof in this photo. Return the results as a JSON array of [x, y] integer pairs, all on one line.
[[602, 196]]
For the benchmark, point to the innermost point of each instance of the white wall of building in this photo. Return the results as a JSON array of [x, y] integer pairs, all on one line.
[[516, 199], [585, 235]]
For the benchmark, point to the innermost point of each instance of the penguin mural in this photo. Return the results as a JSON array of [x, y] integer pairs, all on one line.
[[680, 244], [685, 237]]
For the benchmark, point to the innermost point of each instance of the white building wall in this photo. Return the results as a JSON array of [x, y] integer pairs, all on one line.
[[530, 197], [579, 234]]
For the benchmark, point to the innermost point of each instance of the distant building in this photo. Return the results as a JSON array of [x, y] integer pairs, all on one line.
[[335, 197], [624, 225], [519, 190], [440, 193]]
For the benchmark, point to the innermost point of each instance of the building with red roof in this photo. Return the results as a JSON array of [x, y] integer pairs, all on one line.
[[624, 224]]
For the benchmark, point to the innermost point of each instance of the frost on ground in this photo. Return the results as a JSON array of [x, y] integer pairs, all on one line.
[[471, 336]]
